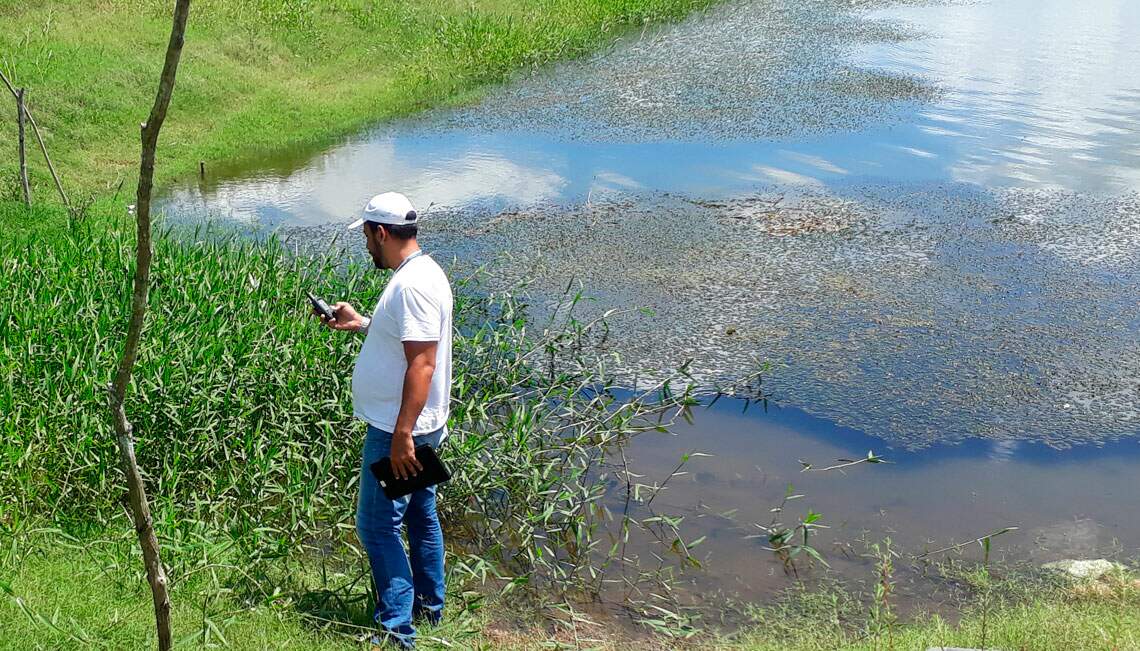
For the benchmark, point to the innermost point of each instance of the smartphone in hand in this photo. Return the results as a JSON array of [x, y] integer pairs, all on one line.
[[321, 307]]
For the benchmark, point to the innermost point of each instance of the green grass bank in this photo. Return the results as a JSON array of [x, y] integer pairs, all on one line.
[[213, 608], [259, 75]]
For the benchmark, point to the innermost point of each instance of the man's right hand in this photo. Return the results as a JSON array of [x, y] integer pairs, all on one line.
[[402, 454], [346, 318]]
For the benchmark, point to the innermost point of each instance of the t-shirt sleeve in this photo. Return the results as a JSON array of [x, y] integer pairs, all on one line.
[[418, 316]]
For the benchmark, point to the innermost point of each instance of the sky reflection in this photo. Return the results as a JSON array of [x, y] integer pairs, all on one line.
[[1033, 94]]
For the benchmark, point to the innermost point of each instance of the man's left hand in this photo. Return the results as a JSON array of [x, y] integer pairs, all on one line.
[[403, 456]]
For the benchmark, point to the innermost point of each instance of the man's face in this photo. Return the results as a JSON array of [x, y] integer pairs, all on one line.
[[373, 236]]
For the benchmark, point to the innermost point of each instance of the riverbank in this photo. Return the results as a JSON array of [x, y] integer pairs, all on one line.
[[260, 76], [244, 431], [243, 424], [217, 602]]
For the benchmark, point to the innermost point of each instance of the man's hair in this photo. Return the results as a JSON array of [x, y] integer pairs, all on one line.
[[398, 231]]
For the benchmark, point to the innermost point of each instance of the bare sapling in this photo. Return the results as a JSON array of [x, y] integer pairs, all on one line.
[[140, 509]]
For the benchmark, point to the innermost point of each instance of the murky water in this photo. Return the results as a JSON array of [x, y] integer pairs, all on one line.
[[925, 217], [1066, 504]]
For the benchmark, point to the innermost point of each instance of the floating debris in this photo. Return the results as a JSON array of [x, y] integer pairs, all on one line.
[[870, 313], [739, 70]]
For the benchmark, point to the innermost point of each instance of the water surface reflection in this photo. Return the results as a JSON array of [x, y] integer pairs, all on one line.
[[941, 93], [1076, 503]]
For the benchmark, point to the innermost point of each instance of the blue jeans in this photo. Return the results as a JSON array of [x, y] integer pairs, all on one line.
[[405, 591]]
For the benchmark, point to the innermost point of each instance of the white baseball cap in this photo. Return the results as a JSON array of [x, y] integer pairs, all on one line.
[[390, 208]]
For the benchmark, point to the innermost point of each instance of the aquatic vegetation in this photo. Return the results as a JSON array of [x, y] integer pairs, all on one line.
[[763, 69], [882, 616], [788, 542], [915, 314]]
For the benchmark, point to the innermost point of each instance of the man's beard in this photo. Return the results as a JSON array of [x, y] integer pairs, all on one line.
[[376, 261]]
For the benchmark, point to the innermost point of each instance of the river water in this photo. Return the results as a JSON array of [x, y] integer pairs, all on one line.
[[921, 220]]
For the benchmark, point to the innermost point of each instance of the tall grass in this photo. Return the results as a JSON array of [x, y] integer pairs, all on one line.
[[39, 572], [241, 404]]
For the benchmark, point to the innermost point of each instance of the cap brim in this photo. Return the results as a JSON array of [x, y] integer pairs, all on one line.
[[356, 224]]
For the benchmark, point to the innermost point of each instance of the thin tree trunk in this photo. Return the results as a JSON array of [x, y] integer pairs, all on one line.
[[140, 509], [23, 157]]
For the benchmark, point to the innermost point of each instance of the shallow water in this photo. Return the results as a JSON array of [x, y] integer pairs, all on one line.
[[924, 217], [1073, 503]]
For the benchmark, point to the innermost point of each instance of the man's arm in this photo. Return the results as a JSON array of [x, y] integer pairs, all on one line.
[[417, 381]]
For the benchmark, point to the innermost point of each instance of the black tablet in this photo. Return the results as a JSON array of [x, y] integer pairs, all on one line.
[[434, 472]]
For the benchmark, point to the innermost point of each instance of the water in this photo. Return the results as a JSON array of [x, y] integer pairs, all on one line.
[[923, 217], [1073, 503], [953, 94]]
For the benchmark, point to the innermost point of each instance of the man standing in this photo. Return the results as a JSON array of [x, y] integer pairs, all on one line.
[[401, 387]]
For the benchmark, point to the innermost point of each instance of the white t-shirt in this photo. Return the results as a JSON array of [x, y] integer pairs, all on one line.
[[415, 306]]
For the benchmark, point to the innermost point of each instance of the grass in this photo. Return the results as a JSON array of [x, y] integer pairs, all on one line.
[[41, 609], [1032, 611], [214, 606], [260, 75]]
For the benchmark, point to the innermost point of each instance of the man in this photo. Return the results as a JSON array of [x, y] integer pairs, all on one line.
[[401, 387]]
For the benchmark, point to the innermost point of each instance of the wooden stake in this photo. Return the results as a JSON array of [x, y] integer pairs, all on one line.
[[23, 157], [140, 509], [40, 139]]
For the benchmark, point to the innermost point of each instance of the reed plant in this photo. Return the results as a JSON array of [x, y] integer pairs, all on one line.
[[882, 613]]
